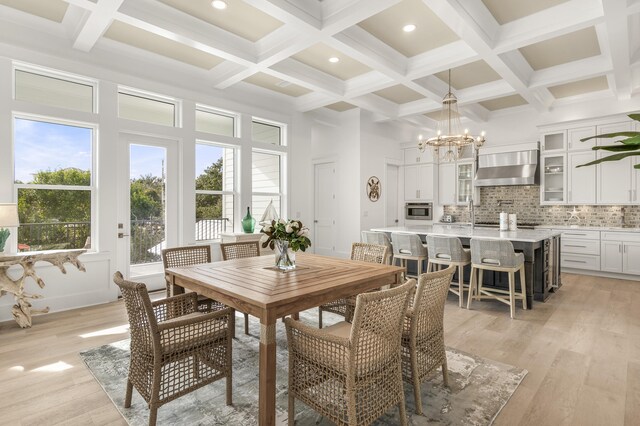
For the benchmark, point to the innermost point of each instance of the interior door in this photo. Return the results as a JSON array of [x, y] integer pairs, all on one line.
[[147, 206], [391, 196], [324, 208]]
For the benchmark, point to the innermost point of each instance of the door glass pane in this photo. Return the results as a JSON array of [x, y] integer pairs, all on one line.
[[147, 203]]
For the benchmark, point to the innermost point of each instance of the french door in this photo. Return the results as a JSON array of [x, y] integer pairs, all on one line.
[[147, 206]]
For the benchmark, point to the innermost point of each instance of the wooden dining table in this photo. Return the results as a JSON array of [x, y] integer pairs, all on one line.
[[253, 285]]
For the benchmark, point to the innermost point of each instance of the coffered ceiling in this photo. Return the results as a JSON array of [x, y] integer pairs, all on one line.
[[341, 54]]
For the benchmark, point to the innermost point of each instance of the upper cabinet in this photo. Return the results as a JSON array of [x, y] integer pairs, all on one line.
[[447, 184], [418, 182], [563, 182], [465, 176], [615, 178], [553, 141], [414, 156], [574, 136]]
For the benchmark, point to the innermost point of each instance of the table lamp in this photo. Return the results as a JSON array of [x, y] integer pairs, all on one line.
[[8, 219]]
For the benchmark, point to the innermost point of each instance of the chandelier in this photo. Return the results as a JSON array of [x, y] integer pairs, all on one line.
[[449, 135]]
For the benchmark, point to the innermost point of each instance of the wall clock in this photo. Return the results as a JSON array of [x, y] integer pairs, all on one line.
[[373, 188]]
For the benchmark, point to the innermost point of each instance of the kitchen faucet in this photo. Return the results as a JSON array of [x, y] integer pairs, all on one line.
[[472, 213]]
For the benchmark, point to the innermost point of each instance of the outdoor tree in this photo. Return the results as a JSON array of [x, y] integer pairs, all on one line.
[[209, 206]]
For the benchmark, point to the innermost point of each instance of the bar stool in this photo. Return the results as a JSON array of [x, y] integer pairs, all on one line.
[[449, 251], [496, 255], [408, 247], [381, 239]]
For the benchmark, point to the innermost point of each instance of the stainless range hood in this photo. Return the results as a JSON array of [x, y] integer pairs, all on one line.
[[512, 165]]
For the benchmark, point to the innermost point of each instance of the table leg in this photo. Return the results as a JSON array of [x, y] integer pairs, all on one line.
[[267, 398]]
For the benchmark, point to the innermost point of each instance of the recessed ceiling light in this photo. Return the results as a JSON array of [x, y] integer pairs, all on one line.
[[334, 59], [408, 28], [219, 4]]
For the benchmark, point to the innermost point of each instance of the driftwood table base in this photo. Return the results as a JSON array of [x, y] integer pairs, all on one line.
[[22, 310]]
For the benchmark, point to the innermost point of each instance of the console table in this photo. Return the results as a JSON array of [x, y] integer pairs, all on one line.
[[22, 310]]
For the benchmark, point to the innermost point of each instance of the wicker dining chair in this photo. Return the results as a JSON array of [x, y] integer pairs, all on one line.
[[175, 349], [372, 253], [423, 348], [351, 373], [176, 257], [238, 251]]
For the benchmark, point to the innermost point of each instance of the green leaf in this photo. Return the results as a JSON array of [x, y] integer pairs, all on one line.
[[612, 135], [637, 166], [635, 117], [631, 141], [614, 157], [618, 148]]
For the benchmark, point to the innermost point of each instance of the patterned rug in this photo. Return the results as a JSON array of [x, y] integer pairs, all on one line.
[[478, 388]]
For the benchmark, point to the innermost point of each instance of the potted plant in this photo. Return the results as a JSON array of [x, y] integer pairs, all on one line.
[[286, 238]]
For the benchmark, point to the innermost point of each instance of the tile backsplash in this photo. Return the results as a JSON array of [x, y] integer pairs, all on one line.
[[525, 202]]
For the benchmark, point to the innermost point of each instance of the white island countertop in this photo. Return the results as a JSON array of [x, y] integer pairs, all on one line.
[[465, 231]]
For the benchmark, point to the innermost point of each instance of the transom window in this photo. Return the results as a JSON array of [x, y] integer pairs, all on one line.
[[266, 132], [215, 122], [152, 109]]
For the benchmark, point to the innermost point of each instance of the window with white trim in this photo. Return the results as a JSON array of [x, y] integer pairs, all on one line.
[[54, 183], [53, 88], [149, 108], [266, 132], [216, 122], [215, 190]]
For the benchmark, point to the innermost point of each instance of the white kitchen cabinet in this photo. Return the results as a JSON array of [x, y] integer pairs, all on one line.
[[611, 256], [414, 156], [581, 182], [620, 252], [631, 258], [553, 141], [574, 136], [447, 184], [552, 185], [418, 182], [615, 179], [465, 174]]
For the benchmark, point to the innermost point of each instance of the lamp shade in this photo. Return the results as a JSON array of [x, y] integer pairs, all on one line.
[[9, 215]]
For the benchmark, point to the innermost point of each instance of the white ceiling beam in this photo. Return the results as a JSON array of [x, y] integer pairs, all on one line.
[[475, 112], [508, 67], [306, 76], [74, 18], [165, 21], [338, 15], [375, 104], [313, 101], [565, 18], [617, 36], [297, 13], [85, 4], [367, 83], [97, 23], [442, 58], [572, 71]]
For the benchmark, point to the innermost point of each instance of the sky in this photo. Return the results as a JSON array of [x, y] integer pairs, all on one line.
[[43, 146]]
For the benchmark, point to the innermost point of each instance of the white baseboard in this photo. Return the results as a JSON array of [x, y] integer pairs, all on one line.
[[602, 274]]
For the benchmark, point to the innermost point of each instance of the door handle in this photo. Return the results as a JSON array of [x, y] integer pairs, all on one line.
[[619, 248], [122, 235], [315, 221]]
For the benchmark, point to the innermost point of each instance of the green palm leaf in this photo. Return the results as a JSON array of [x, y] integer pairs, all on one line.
[[612, 135], [618, 148], [614, 157]]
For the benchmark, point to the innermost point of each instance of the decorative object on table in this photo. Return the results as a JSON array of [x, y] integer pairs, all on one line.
[[22, 310], [478, 389], [449, 131], [574, 218], [627, 148], [248, 223], [270, 214], [286, 238], [504, 221], [373, 189], [8, 219]]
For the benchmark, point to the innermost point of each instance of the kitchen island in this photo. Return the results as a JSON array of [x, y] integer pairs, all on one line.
[[541, 249]]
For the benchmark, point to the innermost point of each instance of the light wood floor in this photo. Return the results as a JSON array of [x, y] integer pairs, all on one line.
[[581, 348]]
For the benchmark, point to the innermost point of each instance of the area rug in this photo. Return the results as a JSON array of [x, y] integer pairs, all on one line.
[[478, 388]]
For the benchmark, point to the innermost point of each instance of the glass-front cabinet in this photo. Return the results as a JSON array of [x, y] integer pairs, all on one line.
[[553, 188], [465, 182], [553, 141]]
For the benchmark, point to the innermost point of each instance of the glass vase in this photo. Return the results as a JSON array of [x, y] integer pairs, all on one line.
[[248, 223], [285, 257]]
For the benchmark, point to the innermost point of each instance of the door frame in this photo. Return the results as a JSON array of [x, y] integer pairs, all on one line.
[[314, 162], [395, 163], [173, 212]]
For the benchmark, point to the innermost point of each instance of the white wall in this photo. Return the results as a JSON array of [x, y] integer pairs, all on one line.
[[339, 142], [379, 146]]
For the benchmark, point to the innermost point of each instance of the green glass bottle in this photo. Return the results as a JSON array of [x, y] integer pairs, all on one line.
[[248, 223]]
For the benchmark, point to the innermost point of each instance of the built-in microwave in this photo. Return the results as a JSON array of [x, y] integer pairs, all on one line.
[[418, 211]]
